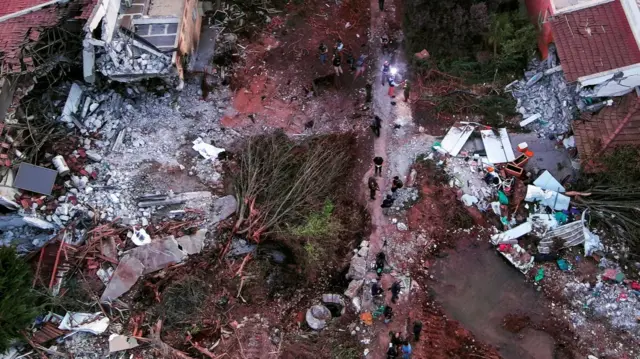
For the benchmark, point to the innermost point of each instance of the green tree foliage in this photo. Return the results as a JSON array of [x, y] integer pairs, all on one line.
[[458, 34], [18, 302]]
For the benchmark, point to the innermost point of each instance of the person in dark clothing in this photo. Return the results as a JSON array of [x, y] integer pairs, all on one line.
[[337, 64], [376, 125], [380, 259], [387, 202], [373, 187], [385, 45], [351, 62], [396, 339], [417, 328], [376, 289], [392, 352], [396, 184], [381, 5], [395, 291], [368, 88], [324, 50], [407, 90], [388, 314], [378, 161]]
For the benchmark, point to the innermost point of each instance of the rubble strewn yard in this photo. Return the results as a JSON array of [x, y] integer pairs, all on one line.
[[306, 179]]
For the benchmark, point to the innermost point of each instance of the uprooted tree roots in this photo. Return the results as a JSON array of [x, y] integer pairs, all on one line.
[[279, 183]]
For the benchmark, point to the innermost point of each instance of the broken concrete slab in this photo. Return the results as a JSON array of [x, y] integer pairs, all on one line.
[[223, 207], [149, 258], [529, 119], [193, 244], [358, 268], [158, 254], [126, 275], [39, 223], [354, 288], [73, 101], [119, 342]]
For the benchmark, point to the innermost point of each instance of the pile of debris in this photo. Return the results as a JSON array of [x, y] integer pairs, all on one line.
[[127, 59], [610, 297], [546, 101]]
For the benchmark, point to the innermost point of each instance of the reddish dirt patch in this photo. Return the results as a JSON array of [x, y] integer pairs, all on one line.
[[275, 82], [515, 322]]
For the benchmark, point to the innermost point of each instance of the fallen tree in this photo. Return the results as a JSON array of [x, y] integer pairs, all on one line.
[[279, 182]]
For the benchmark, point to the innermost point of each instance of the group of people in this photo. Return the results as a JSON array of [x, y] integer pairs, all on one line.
[[357, 65], [402, 346], [396, 183]]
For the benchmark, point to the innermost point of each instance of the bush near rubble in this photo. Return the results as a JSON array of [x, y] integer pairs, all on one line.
[[478, 40], [18, 301]]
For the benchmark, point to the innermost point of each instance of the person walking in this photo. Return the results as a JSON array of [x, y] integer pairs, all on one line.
[[417, 328], [368, 88], [324, 51], [373, 187], [392, 85], [392, 352], [376, 125], [388, 314], [360, 66], [380, 259], [386, 69], [385, 44], [387, 202], [376, 289], [381, 5], [407, 90], [339, 46], [396, 184], [406, 350], [337, 64], [377, 162], [395, 291]]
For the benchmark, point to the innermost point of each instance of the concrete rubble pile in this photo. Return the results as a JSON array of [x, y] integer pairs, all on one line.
[[614, 301], [546, 101], [123, 132], [128, 60]]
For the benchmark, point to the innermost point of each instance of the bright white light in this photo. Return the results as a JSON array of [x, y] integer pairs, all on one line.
[[394, 71]]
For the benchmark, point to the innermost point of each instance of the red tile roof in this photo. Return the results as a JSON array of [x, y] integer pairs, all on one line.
[[11, 6], [613, 126], [20, 31], [594, 39]]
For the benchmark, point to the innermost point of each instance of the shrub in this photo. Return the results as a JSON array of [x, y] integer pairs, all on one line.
[[18, 301]]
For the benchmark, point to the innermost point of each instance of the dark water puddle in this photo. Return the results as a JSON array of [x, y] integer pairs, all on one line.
[[478, 288]]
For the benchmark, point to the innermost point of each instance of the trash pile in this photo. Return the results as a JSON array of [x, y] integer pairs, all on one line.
[[546, 101], [491, 177]]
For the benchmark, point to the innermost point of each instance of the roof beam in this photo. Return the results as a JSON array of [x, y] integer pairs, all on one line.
[[30, 10]]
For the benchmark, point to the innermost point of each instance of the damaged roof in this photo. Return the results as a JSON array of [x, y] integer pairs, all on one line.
[[17, 32], [594, 39], [613, 126]]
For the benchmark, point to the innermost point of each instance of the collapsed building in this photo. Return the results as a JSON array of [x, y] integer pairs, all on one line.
[[598, 42], [133, 40]]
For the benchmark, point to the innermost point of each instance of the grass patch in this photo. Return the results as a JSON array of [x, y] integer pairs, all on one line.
[[318, 223]]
